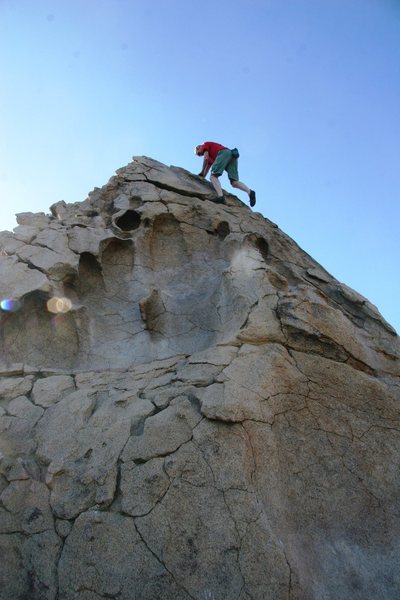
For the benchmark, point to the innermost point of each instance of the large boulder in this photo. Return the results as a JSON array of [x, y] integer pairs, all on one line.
[[190, 406]]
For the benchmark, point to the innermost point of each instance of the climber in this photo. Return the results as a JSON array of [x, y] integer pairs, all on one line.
[[220, 159]]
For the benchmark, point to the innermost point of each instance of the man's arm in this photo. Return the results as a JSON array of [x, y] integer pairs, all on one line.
[[206, 165]]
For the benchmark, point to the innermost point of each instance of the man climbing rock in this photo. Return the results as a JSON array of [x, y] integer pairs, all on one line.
[[220, 158]]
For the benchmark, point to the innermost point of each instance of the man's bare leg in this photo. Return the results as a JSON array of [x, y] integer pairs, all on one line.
[[240, 186], [244, 188], [217, 185]]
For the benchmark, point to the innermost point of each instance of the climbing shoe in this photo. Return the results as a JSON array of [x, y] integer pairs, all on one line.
[[252, 198]]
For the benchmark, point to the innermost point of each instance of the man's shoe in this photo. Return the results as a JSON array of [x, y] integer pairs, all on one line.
[[252, 198], [219, 200]]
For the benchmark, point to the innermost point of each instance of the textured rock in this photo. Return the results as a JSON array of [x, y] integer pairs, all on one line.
[[190, 406]]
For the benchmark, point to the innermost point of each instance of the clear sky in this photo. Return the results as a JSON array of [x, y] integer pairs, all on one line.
[[308, 90]]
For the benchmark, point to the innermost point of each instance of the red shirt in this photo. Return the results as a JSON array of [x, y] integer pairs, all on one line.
[[212, 148]]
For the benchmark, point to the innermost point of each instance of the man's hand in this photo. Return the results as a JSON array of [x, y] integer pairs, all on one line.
[[206, 166]]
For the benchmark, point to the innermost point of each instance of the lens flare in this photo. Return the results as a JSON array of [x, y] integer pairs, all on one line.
[[9, 305], [59, 305]]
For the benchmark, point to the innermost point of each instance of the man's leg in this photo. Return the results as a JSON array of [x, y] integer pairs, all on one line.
[[240, 186], [243, 186], [233, 174], [216, 184], [219, 165], [225, 162]]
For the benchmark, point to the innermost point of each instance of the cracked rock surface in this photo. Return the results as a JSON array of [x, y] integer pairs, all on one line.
[[212, 416]]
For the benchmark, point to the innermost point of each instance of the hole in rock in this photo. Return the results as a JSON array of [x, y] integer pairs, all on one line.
[[168, 245], [90, 274], [223, 230], [118, 253], [88, 262], [260, 244], [129, 221]]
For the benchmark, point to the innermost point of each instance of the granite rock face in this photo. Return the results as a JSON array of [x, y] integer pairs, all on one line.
[[190, 407]]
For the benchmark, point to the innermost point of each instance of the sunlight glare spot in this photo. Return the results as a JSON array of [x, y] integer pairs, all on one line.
[[9, 305], [59, 305]]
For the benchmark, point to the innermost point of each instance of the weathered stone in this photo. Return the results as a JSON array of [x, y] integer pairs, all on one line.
[[193, 533], [164, 432], [12, 387], [24, 409], [267, 377], [97, 538], [26, 233], [48, 260], [29, 218], [263, 324], [213, 416], [8, 370], [63, 527], [86, 463], [142, 486], [17, 280], [174, 178], [25, 508], [28, 566], [308, 320], [218, 356], [16, 439], [21, 467], [87, 239], [9, 244], [188, 464], [48, 390]]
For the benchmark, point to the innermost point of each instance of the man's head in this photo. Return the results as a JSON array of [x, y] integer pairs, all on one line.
[[197, 150]]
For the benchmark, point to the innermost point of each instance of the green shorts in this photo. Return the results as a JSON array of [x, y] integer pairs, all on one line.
[[225, 162]]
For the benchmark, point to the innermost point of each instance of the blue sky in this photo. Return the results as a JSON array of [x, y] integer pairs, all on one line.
[[308, 90]]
